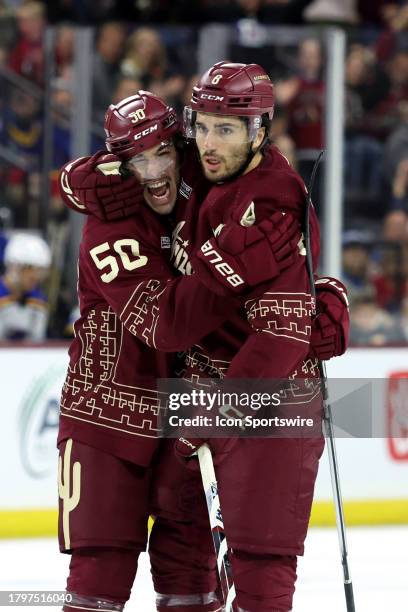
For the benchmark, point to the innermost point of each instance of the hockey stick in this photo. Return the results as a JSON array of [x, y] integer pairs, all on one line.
[[327, 416], [217, 525]]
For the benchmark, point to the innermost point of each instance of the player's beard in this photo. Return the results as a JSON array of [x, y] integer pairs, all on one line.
[[229, 166]]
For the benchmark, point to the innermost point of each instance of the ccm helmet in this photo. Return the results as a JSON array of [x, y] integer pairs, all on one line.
[[138, 123], [27, 250], [244, 90]]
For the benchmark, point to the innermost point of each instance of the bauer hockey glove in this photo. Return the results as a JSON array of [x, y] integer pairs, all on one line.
[[241, 256], [94, 185], [330, 327]]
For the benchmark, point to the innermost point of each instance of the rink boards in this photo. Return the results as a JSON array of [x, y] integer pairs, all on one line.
[[374, 471]]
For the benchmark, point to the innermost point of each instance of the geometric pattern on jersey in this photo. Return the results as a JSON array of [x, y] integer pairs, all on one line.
[[92, 393]]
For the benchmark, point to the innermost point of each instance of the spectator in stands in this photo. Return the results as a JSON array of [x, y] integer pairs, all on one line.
[[366, 86], [302, 97], [145, 56], [62, 100], [21, 128], [106, 66], [61, 92], [146, 59], [27, 57], [366, 81], [357, 265], [279, 136], [396, 160], [389, 282], [372, 11], [386, 113], [395, 226], [126, 86], [21, 135], [23, 305], [371, 325], [64, 48], [8, 30], [394, 37]]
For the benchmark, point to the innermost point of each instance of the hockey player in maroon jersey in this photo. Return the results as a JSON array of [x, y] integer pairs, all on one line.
[[225, 242], [109, 449], [229, 117], [266, 484], [109, 455]]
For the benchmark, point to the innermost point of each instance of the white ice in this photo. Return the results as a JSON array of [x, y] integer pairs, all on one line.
[[378, 562]]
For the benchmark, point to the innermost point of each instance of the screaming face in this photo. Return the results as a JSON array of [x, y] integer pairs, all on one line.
[[157, 170]]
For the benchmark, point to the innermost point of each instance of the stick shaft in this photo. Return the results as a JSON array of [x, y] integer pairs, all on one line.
[[328, 420], [217, 525]]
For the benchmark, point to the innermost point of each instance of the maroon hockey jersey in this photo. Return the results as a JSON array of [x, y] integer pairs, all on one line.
[[109, 398], [284, 314]]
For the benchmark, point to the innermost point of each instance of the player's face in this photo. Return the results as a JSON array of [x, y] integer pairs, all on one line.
[[157, 169], [28, 277], [222, 142]]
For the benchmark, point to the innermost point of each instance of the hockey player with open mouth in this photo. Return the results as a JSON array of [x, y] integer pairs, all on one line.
[[230, 200]]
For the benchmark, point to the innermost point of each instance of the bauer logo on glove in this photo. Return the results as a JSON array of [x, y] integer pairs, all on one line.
[[221, 267], [243, 254]]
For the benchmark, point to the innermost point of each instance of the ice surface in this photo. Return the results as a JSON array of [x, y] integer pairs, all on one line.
[[378, 561]]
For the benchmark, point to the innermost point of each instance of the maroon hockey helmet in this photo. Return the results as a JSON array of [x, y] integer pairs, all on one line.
[[244, 90], [138, 123], [234, 89]]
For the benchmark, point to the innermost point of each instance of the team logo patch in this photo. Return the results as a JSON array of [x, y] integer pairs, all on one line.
[[165, 242], [248, 218], [185, 190], [397, 415]]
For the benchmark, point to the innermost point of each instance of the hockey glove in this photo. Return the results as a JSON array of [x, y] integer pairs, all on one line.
[[186, 447], [95, 186], [241, 257], [330, 327]]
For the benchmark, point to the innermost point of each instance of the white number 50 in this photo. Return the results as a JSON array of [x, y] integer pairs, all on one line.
[[110, 261]]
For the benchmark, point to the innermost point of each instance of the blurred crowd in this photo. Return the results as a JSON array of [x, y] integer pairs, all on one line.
[[154, 45]]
